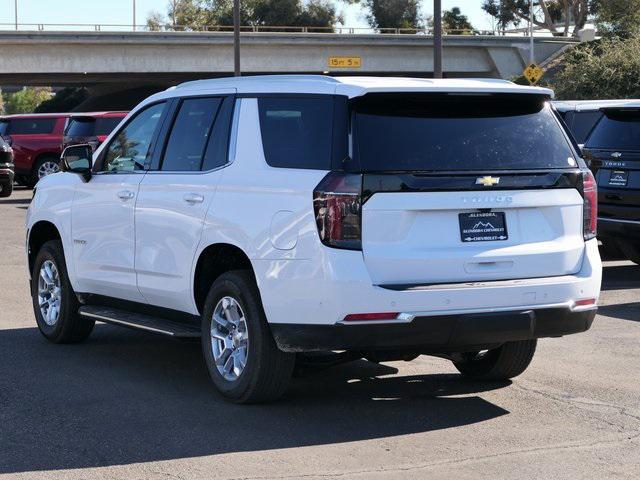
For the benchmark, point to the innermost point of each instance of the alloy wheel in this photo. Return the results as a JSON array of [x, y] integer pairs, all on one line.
[[47, 168], [229, 338], [49, 293]]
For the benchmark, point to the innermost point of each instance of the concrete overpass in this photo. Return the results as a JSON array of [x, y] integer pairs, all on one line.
[[121, 59]]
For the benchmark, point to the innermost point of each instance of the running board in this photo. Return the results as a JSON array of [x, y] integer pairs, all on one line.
[[139, 321]]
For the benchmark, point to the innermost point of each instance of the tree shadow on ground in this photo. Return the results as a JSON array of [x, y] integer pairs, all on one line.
[[622, 311], [125, 397]]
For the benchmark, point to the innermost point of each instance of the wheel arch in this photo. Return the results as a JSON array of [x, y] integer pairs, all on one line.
[[40, 233], [42, 155], [214, 260]]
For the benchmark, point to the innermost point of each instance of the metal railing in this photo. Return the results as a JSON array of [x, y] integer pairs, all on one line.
[[169, 28]]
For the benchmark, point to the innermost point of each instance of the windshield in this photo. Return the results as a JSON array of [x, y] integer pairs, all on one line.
[[457, 133], [618, 130]]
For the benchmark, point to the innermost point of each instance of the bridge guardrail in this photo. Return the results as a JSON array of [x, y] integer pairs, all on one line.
[[96, 27]]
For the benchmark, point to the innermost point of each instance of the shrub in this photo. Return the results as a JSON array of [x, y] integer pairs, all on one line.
[[604, 69]]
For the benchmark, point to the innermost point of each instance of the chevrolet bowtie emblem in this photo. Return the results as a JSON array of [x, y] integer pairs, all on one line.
[[488, 181]]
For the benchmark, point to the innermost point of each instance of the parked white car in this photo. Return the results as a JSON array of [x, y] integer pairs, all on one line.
[[277, 215]]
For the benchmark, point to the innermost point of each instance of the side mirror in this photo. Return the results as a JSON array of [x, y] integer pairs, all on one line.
[[77, 159]]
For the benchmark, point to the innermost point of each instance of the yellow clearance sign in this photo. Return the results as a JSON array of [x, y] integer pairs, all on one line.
[[345, 62], [533, 73]]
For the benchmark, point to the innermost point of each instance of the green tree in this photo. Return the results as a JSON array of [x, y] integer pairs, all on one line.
[[206, 14], [501, 13], [156, 22], [393, 13], [618, 18], [604, 69], [454, 22], [64, 100], [26, 100], [547, 14]]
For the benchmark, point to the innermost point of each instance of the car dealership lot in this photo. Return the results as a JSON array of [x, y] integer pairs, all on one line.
[[126, 404]]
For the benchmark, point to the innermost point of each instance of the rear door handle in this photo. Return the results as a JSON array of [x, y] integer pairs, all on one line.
[[193, 198], [126, 194]]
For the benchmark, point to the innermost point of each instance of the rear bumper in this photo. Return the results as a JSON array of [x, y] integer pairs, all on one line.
[[324, 291], [619, 229], [432, 334]]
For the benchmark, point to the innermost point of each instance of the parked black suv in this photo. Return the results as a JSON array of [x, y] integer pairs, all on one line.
[[613, 153], [6, 169]]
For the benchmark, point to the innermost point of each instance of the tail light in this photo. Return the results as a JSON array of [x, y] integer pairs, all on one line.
[[590, 210], [337, 203]]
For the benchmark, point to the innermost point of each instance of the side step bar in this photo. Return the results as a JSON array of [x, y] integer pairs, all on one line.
[[139, 321]]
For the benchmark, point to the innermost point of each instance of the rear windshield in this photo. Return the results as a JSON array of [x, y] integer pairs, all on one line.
[[618, 130], [105, 125], [81, 127], [92, 127], [457, 133], [31, 126], [581, 123]]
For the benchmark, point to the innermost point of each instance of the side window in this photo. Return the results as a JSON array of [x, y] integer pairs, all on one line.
[[296, 131], [32, 126], [129, 149], [190, 133], [218, 147]]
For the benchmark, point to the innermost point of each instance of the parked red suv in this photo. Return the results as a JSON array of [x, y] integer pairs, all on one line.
[[92, 128], [36, 140]]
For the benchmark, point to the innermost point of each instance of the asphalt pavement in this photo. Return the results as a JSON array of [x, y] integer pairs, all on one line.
[[130, 405]]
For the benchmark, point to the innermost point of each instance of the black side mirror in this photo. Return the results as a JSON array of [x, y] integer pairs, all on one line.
[[77, 159]]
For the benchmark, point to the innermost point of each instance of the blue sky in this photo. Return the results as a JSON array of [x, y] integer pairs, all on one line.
[[121, 12]]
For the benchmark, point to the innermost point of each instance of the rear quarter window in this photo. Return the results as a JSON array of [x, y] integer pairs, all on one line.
[[297, 131], [31, 126]]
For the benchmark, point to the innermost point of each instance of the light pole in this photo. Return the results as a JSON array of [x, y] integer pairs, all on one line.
[[134, 15], [437, 38], [236, 38], [532, 58], [15, 10]]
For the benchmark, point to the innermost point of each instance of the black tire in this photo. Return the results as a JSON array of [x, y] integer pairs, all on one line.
[[268, 370], [70, 327], [630, 251], [502, 363], [7, 189], [32, 180]]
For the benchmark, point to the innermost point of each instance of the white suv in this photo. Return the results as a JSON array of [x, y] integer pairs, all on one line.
[[274, 216]]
